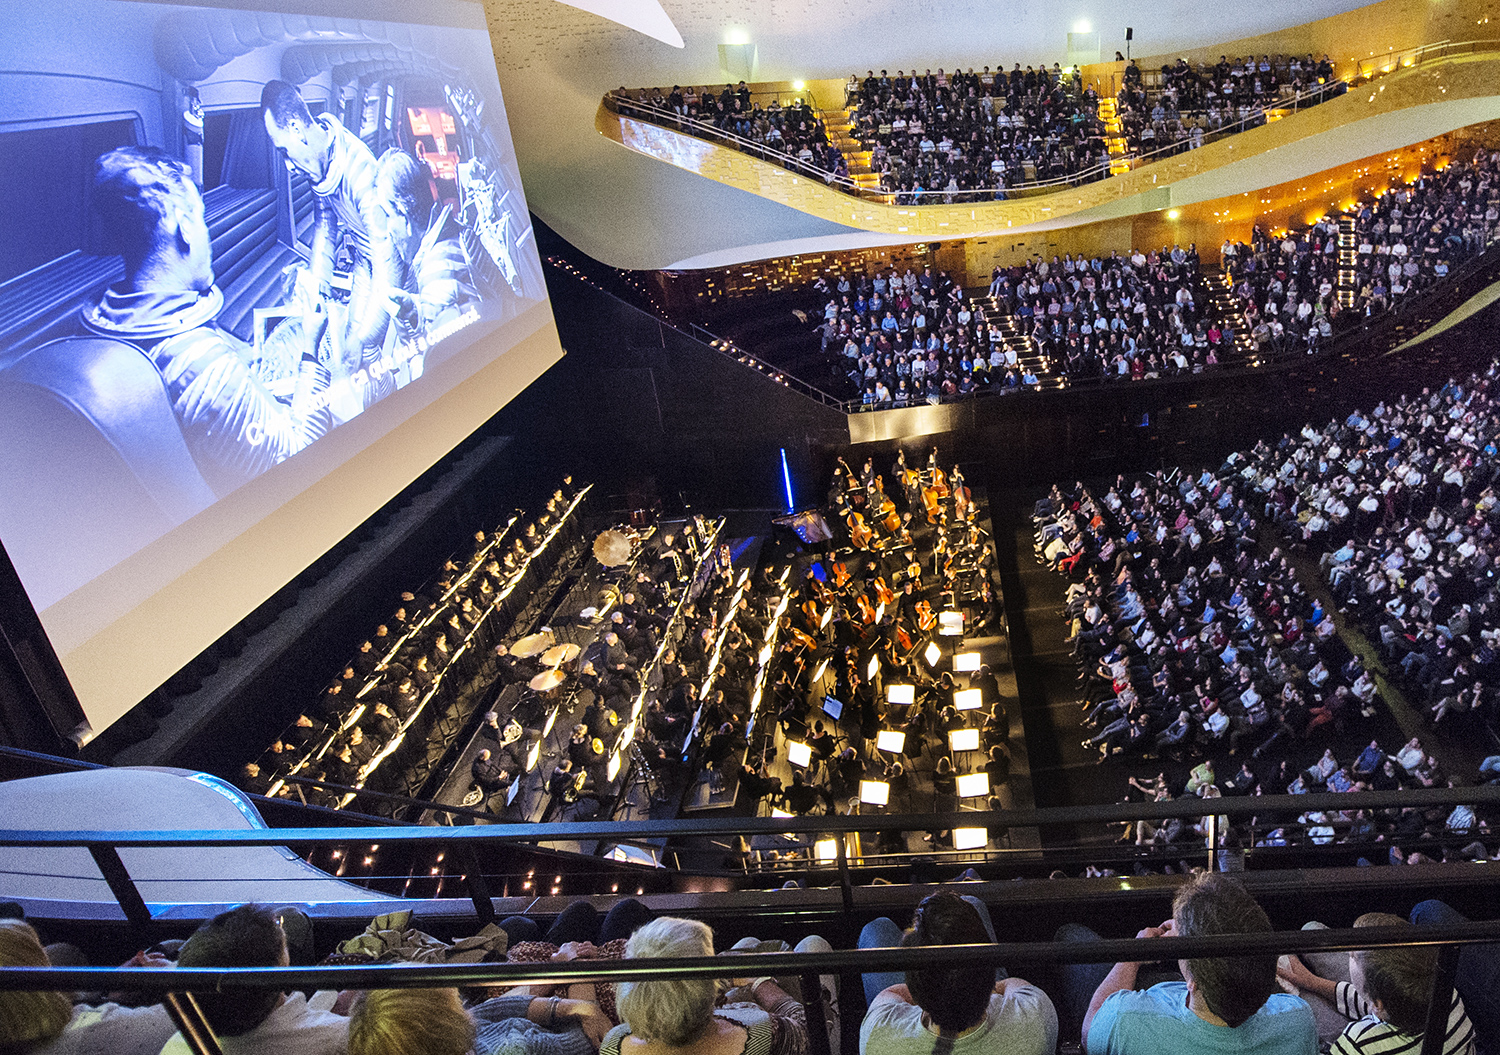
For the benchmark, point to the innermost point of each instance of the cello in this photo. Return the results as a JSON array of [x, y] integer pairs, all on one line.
[[861, 535]]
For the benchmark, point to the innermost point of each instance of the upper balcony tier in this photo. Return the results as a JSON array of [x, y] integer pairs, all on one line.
[[1405, 98]]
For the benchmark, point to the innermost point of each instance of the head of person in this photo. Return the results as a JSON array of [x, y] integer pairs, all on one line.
[[302, 141], [1231, 987], [153, 217], [28, 1019], [404, 191], [674, 1012], [954, 998], [1397, 981], [409, 1022], [247, 936]]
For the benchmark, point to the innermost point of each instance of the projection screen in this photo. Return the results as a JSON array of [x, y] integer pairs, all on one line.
[[259, 270]]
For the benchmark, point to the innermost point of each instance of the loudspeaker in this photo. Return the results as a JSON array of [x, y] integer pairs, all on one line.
[[1129, 33]]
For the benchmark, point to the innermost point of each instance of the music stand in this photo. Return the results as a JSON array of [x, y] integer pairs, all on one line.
[[832, 707], [874, 792], [965, 662], [968, 699], [951, 624], [515, 789], [964, 740], [970, 838], [892, 740], [901, 695], [798, 754], [971, 785]]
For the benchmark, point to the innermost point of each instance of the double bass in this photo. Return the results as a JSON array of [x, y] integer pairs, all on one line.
[[861, 535]]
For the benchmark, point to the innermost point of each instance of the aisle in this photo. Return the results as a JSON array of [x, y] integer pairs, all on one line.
[[1063, 772]]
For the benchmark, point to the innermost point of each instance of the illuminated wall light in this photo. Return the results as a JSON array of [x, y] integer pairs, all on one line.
[[1172, 214]]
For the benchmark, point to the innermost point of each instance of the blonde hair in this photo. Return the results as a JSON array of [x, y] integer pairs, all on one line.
[[28, 1019], [410, 1022], [673, 1012]]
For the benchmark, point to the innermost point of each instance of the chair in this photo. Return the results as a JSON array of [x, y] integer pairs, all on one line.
[[95, 465]]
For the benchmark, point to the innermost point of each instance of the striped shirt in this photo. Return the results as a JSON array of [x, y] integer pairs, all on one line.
[[1370, 1035]]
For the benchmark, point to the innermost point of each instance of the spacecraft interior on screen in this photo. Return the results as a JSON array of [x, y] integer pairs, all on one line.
[[227, 237]]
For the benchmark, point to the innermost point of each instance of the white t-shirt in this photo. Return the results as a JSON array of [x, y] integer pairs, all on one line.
[[113, 1029], [1022, 1022], [298, 1027]]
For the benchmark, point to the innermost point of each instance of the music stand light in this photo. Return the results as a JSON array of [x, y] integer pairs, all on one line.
[[613, 769], [951, 624], [901, 694], [965, 662], [874, 792], [798, 754], [973, 784], [968, 699], [932, 653], [970, 838], [826, 849], [779, 813], [533, 755], [873, 668], [964, 739], [892, 740]]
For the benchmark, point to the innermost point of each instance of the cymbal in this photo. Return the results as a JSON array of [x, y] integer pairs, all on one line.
[[612, 548], [533, 644], [557, 655], [547, 680]]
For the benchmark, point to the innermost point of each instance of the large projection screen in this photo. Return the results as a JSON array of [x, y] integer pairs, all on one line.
[[261, 267]]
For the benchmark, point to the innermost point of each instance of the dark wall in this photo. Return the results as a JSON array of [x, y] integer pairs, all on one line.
[[648, 409]]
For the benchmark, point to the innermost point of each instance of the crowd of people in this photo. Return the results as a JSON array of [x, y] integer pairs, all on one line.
[[437, 636], [794, 130], [1364, 1001], [1139, 316], [1192, 101], [1406, 240], [1399, 506], [909, 338], [1194, 646], [933, 137]]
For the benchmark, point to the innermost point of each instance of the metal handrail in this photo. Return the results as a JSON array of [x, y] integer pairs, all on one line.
[[412, 976], [573, 831], [706, 130]]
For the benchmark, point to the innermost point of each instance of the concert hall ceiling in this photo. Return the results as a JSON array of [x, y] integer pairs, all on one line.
[[556, 61]]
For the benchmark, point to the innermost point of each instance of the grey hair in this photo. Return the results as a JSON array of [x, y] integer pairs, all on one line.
[[673, 1012]]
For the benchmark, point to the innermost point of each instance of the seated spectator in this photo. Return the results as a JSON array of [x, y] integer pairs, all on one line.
[[1224, 1004], [434, 1022], [250, 1021], [50, 1023], [680, 1015], [969, 1009], [1478, 979], [1379, 996]]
